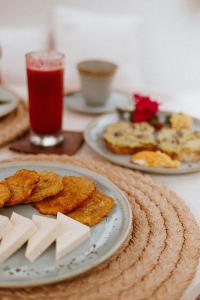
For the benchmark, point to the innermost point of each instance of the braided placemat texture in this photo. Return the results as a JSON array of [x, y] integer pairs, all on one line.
[[14, 124], [158, 262]]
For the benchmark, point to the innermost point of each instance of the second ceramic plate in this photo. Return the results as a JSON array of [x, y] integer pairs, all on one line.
[[76, 102], [93, 137]]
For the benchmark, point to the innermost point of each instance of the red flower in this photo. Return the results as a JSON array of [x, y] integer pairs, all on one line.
[[145, 108]]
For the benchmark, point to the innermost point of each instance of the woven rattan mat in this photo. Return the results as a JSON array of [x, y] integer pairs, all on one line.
[[158, 262], [14, 124]]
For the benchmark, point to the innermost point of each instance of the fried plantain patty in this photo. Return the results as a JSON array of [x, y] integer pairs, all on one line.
[[76, 191], [5, 193], [92, 211], [21, 185], [50, 184]]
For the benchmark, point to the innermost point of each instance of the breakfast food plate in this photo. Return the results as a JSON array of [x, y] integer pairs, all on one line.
[[8, 102], [94, 138], [76, 102], [105, 238]]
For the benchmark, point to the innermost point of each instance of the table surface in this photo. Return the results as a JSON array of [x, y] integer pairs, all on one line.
[[187, 186]]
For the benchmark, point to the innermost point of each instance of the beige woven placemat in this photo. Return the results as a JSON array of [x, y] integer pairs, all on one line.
[[160, 259], [14, 124]]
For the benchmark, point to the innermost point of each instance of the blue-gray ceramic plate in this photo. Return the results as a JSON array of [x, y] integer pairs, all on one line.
[[8, 102], [106, 237], [93, 137], [76, 102]]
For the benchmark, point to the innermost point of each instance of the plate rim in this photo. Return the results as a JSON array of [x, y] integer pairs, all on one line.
[[132, 166], [115, 247], [12, 104], [104, 110]]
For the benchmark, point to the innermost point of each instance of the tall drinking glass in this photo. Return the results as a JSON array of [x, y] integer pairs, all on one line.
[[45, 75]]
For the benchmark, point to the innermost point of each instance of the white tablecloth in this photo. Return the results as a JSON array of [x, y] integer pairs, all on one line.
[[187, 186]]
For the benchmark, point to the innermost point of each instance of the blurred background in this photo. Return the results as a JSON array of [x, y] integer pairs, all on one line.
[[155, 42]]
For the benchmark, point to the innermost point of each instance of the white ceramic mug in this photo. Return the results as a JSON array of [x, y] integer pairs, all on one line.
[[96, 77]]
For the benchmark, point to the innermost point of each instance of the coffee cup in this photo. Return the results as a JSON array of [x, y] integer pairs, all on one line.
[[96, 78]]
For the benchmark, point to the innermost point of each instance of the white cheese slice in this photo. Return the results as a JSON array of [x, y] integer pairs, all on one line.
[[5, 226], [21, 230], [47, 230], [71, 235]]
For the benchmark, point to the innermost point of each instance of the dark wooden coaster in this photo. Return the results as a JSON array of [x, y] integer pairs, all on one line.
[[72, 142]]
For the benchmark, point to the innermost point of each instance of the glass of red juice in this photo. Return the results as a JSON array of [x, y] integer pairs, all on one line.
[[45, 76]]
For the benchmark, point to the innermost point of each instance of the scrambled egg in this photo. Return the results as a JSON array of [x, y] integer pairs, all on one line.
[[155, 159], [181, 121]]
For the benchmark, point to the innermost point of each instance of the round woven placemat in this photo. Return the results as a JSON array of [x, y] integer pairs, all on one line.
[[14, 124], [158, 262]]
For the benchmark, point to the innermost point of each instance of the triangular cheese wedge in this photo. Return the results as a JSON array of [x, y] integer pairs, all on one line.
[[71, 235], [5, 226], [47, 230], [21, 230]]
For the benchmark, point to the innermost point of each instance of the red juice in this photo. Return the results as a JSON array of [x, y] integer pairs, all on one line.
[[45, 75], [45, 89]]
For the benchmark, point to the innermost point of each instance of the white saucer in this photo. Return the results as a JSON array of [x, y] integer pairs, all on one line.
[[77, 103]]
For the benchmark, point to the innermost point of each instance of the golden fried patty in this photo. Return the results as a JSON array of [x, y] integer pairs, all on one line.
[[50, 184], [92, 211], [76, 191], [183, 144], [5, 193], [127, 138], [21, 185]]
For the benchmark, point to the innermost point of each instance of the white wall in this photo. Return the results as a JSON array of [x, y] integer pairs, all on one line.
[[36, 12], [170, 35], [171, 44]]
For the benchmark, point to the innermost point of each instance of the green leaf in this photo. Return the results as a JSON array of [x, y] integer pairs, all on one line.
[[167, 120], [155, 120]]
